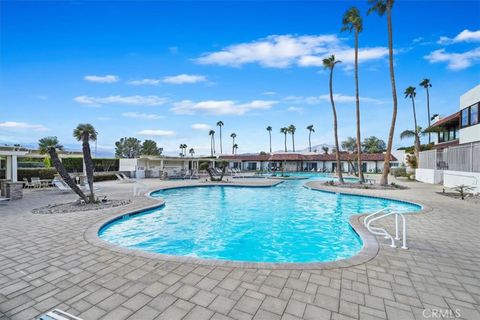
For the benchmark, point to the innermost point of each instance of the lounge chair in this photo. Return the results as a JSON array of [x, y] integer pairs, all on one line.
[[124, 178], [4, 200], [27, 184], [61, 186]]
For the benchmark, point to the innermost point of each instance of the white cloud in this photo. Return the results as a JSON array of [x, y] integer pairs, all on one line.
[[464, 36], [22, 126], [184, 78], [157, 133], [455, 61], [102, 79], [281, 51], [201, 126], [128, 100], [146, 116], [41, 97], [142, 82], [295, 109], [220, 107], [338, 97], [269, 93]]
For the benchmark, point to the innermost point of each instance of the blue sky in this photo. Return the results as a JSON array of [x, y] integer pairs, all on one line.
[[169, 71]]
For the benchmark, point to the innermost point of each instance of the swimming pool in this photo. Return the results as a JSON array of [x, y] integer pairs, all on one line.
[[284, 223]]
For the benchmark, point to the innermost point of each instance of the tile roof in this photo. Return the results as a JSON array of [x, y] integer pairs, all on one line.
[[306, 157]]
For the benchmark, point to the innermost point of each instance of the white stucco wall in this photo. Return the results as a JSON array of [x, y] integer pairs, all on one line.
[[470, 97], [452, 179], [127, 164], [429, 176], [470, 134]]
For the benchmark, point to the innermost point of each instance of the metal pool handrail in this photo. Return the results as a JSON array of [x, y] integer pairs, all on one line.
[[382, 232]]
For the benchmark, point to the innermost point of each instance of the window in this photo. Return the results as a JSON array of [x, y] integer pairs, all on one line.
[[465, 117], [441, 136], [451, 134], [473, 115]]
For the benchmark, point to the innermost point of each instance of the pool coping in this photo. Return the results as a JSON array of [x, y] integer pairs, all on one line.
[[368, 251]]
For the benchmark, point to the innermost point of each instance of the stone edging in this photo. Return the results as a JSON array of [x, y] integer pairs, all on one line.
[[369, 249]]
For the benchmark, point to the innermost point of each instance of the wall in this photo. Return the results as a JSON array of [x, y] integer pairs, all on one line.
[[127, 164], [470, 134], [452, 179], [429, 176], [470, 97]]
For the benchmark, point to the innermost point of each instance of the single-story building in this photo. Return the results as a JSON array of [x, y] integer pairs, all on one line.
[[153, 167]]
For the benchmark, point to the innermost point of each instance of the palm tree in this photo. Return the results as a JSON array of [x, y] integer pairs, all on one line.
[[325, 149], [269, 129], [284, 130], [192, 152], [50, 145], [353, 21], [426, 84], [380, 7], [233, 135], [181, 148], [291, 130], [220, 125], [211, 133], [329, 63], [85, 132], [235, 147], [310, 130], [410, 93]]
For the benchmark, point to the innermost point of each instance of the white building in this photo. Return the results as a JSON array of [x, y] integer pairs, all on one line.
[[154, 167], [455, 159]]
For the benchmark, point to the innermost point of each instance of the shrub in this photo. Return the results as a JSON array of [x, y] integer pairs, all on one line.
[[42, 173], [104, 177], [73, 164], [398, 172]]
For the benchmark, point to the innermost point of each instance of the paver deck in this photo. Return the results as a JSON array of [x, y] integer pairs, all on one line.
[[46, 262]]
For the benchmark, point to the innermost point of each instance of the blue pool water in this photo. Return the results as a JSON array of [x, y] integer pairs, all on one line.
[[285, 223]]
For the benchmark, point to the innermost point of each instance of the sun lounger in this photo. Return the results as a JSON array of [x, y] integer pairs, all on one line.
[[57, 314], [124, 178], [4, 200]]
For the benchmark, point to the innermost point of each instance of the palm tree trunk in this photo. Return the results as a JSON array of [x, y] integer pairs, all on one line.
[[221, 149], [270, 136], [64, 174], [388, 153], [417, 140], [211, 146], [310, 140], [335, 130], [285, 142], [87, 158], [293, 141], [233, 145], [357, 98], [428, 112], [213, 138]]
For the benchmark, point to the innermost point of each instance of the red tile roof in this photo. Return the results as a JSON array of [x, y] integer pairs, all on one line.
[[453, 118], [306, 157]]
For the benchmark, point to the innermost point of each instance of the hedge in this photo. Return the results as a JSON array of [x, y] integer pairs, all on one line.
[[42, 173]]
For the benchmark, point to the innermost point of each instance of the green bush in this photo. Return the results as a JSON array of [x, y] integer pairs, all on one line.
[[30, 164], [104, 177], [42, 173], [73, 164], [398, 172]]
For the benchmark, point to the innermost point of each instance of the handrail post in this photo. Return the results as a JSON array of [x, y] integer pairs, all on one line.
[[404, 246], [396, 227]]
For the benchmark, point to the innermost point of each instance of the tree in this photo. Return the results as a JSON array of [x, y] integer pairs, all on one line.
[[50, 145], [85, 132], [381, 7], [291, 130], [235, 147], [183, 147], [352, 21], [128, 148], [410, 93], [233, 135], [350, 144], [416, 134], [149, 148], [206, 165], [325, 149], [329, 63], [284, 130], [191, 151], [426, 84], [220, 125], [310, 130], [211, 133], [373, 145], [269, 129]]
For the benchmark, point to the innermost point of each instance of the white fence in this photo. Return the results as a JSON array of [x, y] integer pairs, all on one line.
[[465, 157]]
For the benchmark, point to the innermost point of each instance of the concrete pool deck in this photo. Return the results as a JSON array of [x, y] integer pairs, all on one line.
[[46, 262]]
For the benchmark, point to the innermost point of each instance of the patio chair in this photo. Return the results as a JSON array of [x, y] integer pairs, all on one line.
[[61, 186], [36, 183], [26, 184], [127, 179]]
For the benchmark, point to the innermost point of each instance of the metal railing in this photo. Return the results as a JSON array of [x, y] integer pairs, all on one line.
[[465, 157], [367, 221]]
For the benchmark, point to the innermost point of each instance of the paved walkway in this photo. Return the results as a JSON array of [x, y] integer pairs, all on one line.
[[45, 263]]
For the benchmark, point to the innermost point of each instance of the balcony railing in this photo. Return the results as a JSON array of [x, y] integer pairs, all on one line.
[[465, 157]]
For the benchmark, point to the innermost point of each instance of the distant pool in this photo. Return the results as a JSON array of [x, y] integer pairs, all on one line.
[[284, 223]]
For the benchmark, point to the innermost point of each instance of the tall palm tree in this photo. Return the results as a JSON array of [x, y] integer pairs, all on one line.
[[410, 93], [310, 130], [192, 152], [85, 132], [233, 135], [352, 21], [50, 145], [329, 63], [211, 133], [426, 84], [291, 130], [181, 148], [325, 149], [220, 125], [284, 130], [381, 7], [235, 147], [269, 129]]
